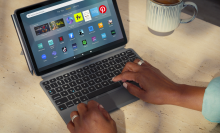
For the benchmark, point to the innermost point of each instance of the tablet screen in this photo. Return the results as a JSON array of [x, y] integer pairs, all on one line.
[[70, 29]]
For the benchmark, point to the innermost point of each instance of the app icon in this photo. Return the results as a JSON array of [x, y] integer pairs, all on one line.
[[94, 12], [81, 32], [69, 20], [74, 46], [61, 39], [100, 25], [84, 42], [43, 56], [91, 28], [64, 49], [113, 32], [40, 46], [87, 15], [103, 35], [71, 35], [102, 9], [54, 53], [50, 42], [110, 22], [94, 39], [78, 17]]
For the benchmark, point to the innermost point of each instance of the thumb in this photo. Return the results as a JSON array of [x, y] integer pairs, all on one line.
[[134, 90]]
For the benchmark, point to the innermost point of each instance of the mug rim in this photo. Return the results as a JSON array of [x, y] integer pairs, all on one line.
[[166, 4]]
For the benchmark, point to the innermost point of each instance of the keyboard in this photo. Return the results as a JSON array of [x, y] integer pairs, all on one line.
[[88, 82]]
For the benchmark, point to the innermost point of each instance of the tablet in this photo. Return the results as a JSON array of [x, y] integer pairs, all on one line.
[[59, 33]]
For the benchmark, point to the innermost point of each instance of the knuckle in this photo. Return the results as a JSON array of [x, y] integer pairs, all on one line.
[[92, 102]]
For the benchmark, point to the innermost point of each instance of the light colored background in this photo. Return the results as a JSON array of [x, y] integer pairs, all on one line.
[[190, 56]]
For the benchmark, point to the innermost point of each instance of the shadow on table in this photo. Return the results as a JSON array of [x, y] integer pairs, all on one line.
[[216, 129], [208, 10]]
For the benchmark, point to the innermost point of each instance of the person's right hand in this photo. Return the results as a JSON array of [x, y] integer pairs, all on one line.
[[156, 88]]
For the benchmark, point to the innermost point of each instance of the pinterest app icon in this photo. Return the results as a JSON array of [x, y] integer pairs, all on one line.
[[102, 9]]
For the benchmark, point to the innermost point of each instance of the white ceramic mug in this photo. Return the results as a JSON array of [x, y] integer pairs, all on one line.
[[166, 17]]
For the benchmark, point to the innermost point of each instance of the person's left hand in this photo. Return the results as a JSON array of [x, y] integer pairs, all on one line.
[[92, 118]]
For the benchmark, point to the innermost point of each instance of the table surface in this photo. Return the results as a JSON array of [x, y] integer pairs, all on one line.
[[189, 56]]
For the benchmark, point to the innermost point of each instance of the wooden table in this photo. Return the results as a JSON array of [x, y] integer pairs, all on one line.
[[190, 56]]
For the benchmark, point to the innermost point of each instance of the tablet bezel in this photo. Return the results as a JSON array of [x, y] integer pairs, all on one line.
[[110, 46]]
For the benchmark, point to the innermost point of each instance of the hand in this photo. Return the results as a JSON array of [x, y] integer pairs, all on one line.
[[93, 118], [155, 88]]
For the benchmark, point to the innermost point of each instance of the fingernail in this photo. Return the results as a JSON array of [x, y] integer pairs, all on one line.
[[125, 85], [101, 106]]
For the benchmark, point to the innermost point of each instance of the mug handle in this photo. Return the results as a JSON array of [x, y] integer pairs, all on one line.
[[184, 21]]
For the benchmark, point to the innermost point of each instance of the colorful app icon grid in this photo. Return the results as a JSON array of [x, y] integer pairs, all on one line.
[[78, 17]]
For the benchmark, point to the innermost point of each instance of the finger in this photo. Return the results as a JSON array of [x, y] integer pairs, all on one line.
[[132, 76], [104, 112], [134, 90], [77, 119], [82, 108], [144, 64], [92, 105], [71, 126], [130, 66]]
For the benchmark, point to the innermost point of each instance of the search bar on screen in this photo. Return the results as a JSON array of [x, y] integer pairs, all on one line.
[[52, 8]]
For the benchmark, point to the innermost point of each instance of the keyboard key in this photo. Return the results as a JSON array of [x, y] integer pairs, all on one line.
[[66, 87], [112, 62], [64, 93], [123, 54], [81, 75], [93, 70], [91, 82], [67, 80], [111, 58], [76, 101], [71, 97], [73, 72], [59, 89], [105, 71], [62, 107], [105, 83], [132, 59], [129, 51], [78, 88], [85, 79], [87, 72], [79, 81], [72, 84], [83, 98], [56, 96], [110, 82], [78, 94], [92, 76], [99, 74], [85, 68], [47, 87], [69, 104], [118, 60], [98, 63], [124, 58], [110, 75], [66, 75], [60, 82], [100, 67], [79, 70], [103, 90], [54, 85], [106, 65], [104, 61], [61, 101], [117, 72], [52, 92], [118, 66], [92, 65], [70, 91], [46, 83], [117, 56], [85, 91], [104, 77], [97, 80], [98, 86], [91, 89], [74, 77], [131, 55], [53, 80], [84, 85], [111, 69]]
